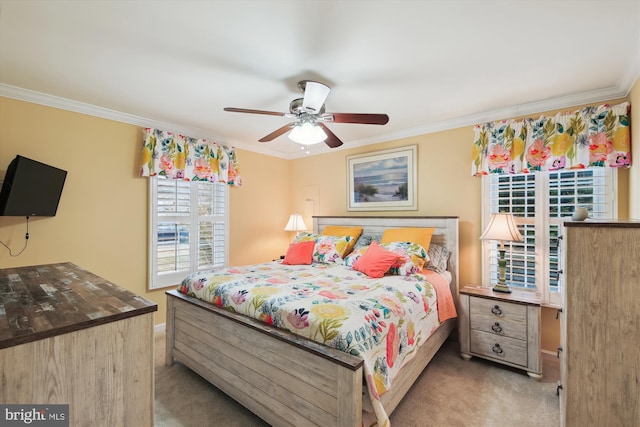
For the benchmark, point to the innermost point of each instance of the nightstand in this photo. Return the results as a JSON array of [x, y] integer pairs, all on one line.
[[502, 327]]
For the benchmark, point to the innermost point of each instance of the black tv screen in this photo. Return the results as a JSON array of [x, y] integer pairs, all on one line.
[[31, 188]]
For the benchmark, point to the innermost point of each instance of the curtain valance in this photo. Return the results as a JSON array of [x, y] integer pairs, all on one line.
[[181, 157], [591, 137]]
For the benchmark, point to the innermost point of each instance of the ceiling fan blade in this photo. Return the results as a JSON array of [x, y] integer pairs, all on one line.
[[332, 140], [245, 110], [315, 94], [276, 133], [366, 119]]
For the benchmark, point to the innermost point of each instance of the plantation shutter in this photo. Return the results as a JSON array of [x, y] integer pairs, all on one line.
[[541, 203], [174, 214], [188, 228], [514, 194], [212, 206]]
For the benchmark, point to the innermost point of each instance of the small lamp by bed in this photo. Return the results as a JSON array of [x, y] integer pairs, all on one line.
[[296, 223], [502, 227]]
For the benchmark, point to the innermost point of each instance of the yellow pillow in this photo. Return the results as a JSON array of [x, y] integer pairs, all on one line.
[[421, 236], [340, 231]]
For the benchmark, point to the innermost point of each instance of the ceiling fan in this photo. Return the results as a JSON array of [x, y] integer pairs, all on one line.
[[310, 117]]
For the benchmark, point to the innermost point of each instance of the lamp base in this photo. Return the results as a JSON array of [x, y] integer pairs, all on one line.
[[501, 287]]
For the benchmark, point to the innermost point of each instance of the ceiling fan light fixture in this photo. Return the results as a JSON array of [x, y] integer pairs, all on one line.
[[307, 134]]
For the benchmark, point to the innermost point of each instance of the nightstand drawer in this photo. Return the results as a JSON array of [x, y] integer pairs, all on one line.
[[502, 327], [500, 348], [498, 317]]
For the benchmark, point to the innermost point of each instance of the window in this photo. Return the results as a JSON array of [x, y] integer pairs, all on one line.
[[188, 229], [540, 203]]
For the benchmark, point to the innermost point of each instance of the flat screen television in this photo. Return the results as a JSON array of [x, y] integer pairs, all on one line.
[[31, 188]]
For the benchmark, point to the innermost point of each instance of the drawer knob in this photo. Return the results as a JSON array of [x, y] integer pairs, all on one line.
[[497, 349], [496, 310], [558, 313], [496, 327]]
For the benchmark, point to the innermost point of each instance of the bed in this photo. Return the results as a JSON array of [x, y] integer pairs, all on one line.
[[291, 380]]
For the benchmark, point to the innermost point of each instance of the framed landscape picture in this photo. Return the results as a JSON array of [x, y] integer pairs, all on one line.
[[383, 180]]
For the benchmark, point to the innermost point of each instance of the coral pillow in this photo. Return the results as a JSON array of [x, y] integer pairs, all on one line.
[[375, 261], [299, 253]]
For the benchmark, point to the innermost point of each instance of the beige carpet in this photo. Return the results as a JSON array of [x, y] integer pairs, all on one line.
[[450, 392]]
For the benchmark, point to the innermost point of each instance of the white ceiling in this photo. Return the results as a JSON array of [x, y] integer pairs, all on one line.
[[430, 65]]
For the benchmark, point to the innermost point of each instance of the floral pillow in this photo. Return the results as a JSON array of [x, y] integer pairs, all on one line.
[[412, 257], [327, 249], [339, 231], [438, 258], [355, 254]]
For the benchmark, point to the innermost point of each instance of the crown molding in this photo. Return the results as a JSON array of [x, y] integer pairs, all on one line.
[[600, 95], [531, 108], [71, 105], [632, 74], [40, 98], [620, 91]]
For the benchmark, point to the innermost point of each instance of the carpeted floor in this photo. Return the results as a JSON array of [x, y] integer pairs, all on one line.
[[450, 392]]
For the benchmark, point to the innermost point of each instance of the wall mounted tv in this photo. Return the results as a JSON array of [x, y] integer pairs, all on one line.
[[31, 188]]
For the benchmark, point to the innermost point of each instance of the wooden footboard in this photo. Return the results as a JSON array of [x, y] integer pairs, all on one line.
[[285, 379], [286, 382]]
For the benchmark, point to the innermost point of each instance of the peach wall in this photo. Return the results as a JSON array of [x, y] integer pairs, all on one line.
[[442, 189], [259, 210], [102, 220], [445, 187]]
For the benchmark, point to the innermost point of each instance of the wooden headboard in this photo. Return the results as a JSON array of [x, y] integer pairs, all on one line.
[[445, 234]]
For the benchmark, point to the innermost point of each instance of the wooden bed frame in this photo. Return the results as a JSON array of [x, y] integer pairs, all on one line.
[[285, 379]]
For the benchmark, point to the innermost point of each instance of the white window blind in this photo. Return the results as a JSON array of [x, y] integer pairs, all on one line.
[[188, 228], [540, 203]]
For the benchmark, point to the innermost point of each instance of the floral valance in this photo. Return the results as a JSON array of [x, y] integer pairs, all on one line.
[[181, 157], [591, 137]]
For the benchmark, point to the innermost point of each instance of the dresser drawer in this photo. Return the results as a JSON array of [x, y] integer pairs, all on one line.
[[498, 317], [503, 349]]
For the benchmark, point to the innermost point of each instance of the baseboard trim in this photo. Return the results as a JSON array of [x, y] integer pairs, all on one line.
[[159, 328]]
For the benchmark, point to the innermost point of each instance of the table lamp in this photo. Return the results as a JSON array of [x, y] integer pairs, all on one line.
[[296, 223], [502, 227]]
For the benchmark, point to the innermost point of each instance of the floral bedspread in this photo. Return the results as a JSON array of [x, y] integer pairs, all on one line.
[[381, 320]]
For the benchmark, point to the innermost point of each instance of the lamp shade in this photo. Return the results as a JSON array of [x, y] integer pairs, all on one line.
[[296, 223], [307, 134], [502, 227]]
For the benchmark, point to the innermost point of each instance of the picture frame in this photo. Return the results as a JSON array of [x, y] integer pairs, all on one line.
[[383, 180]]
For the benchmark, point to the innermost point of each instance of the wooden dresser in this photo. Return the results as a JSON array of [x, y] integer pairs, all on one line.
[[70, 337], [600, 349]]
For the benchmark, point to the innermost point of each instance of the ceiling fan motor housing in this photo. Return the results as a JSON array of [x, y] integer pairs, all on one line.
[[295, 107]]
